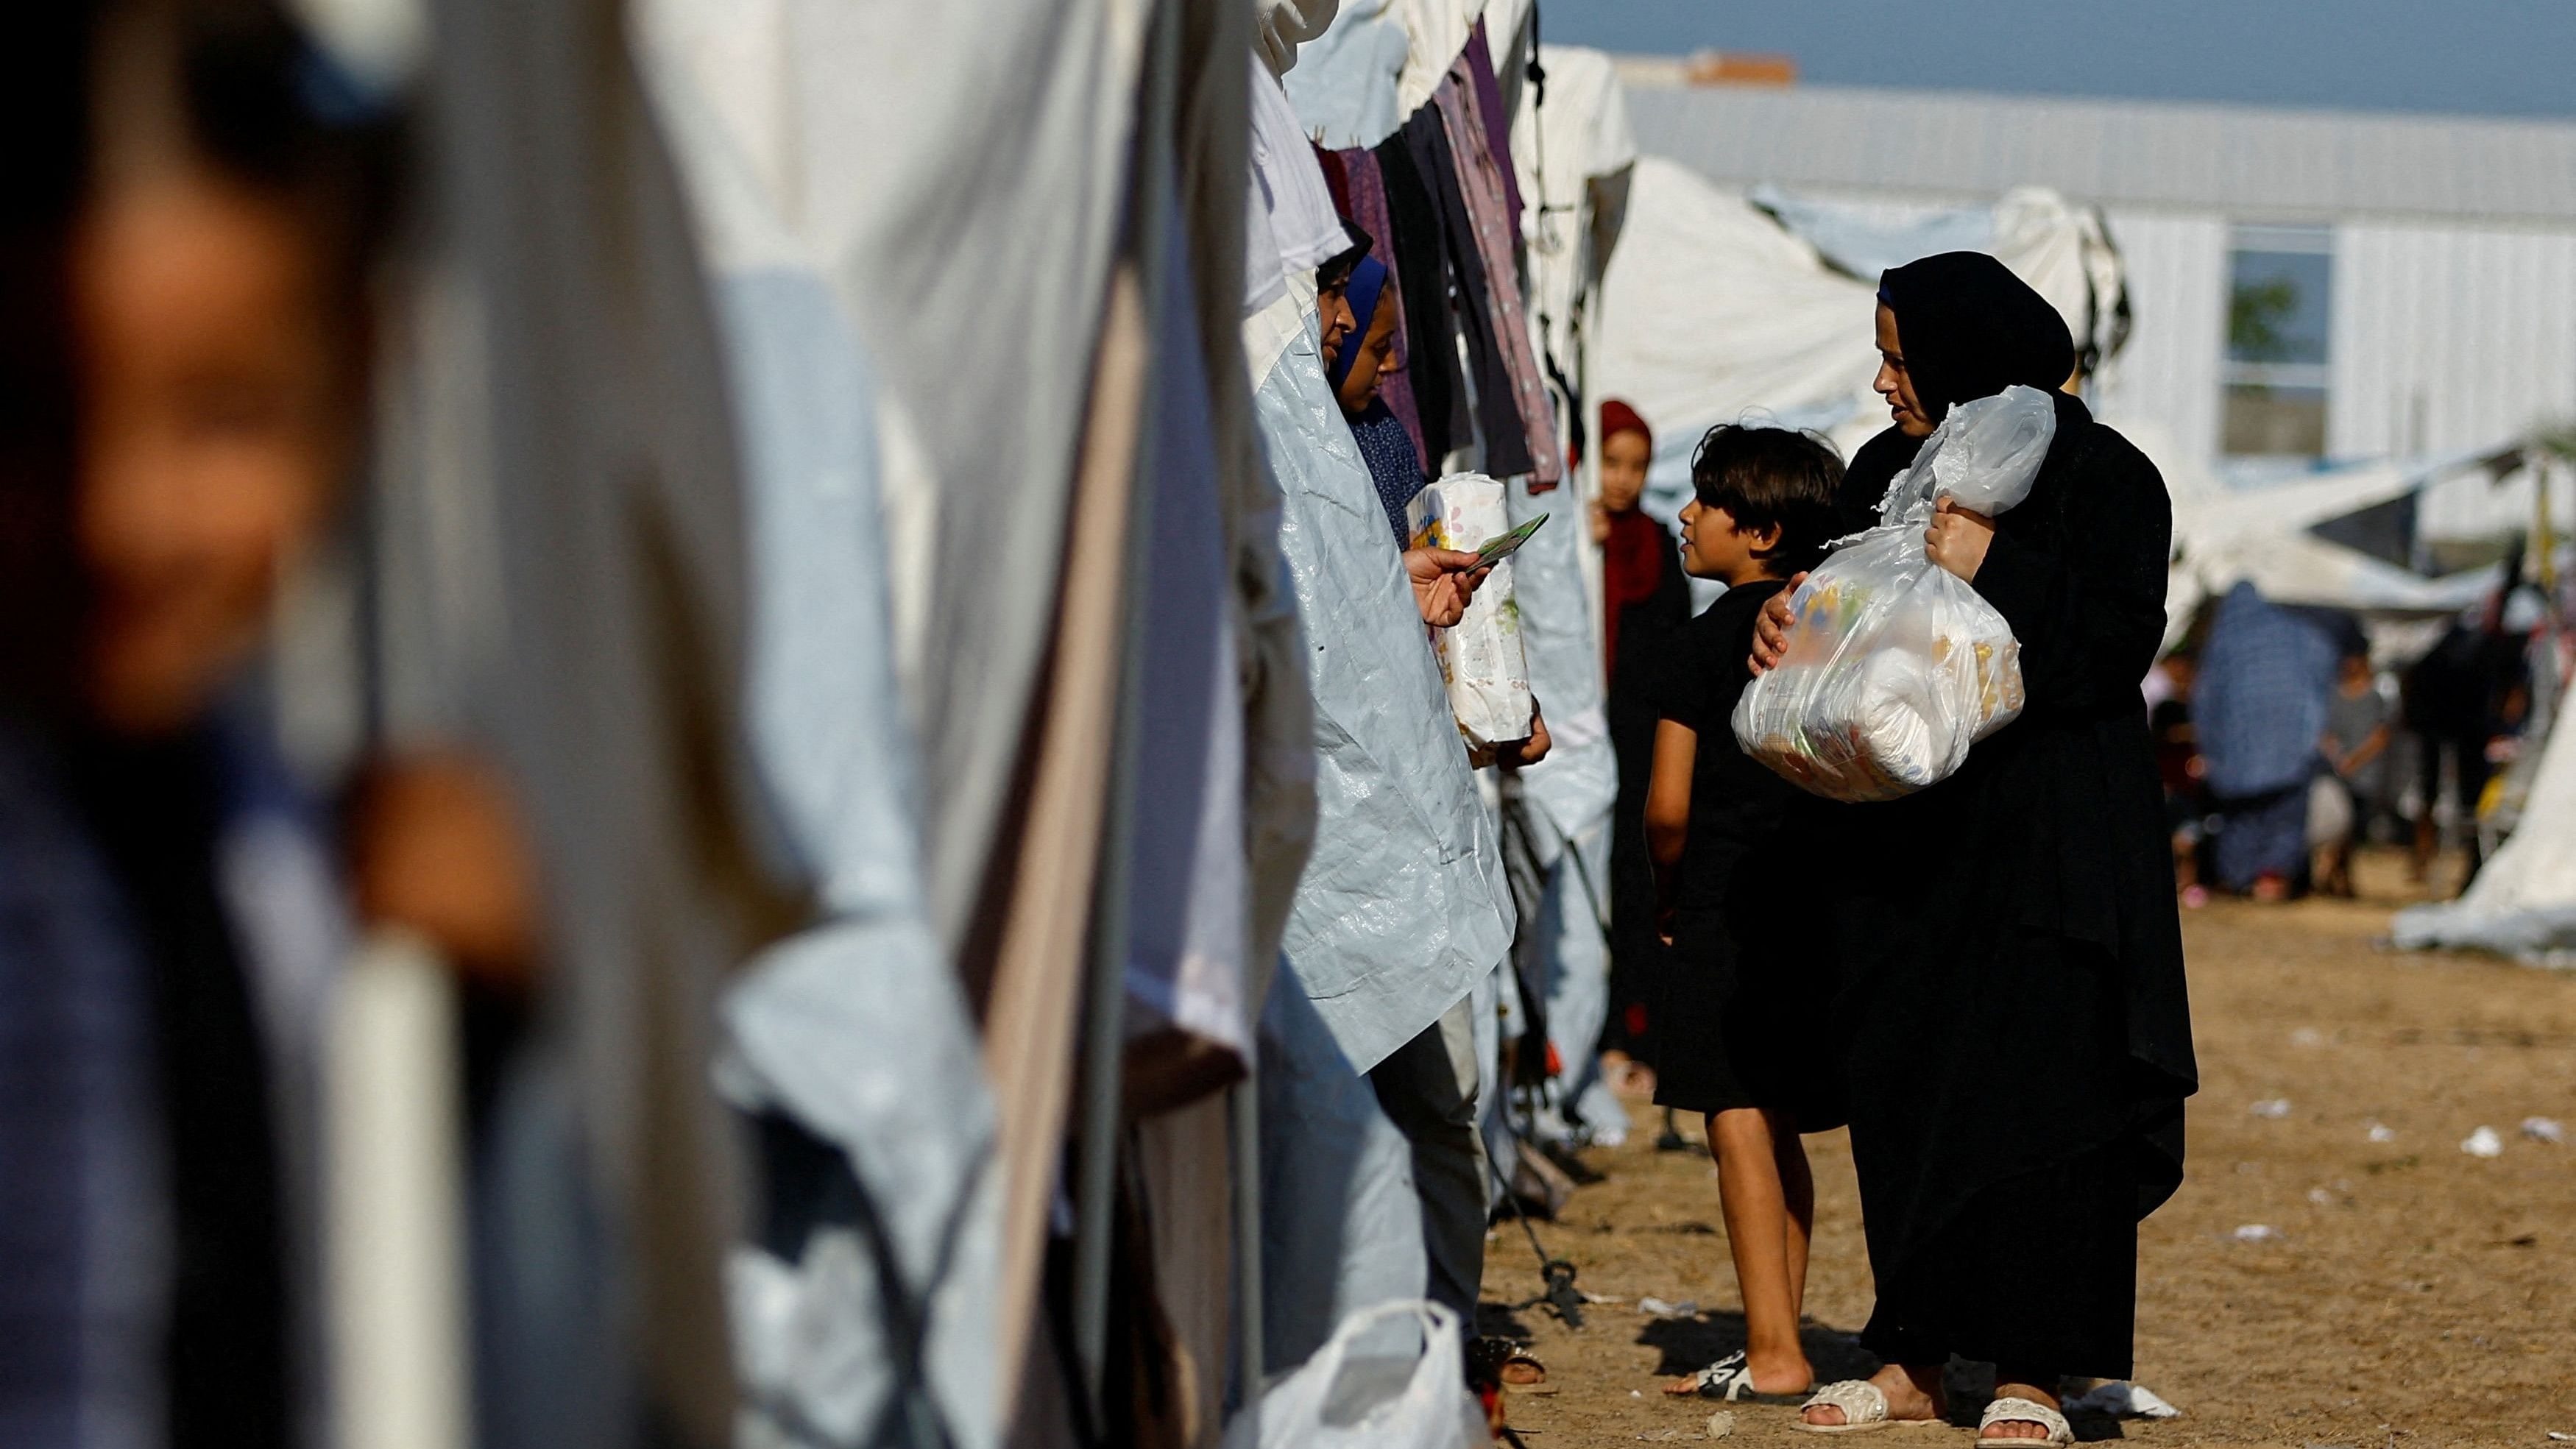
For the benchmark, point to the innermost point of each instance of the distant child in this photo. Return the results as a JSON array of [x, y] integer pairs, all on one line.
[[1739, 993]]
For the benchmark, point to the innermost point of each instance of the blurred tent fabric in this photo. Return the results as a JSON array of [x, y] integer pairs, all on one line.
[[959, 172], [856, 1028], [618, 544]]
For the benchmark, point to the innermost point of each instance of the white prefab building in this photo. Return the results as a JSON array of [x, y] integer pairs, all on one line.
[[2304, 284]]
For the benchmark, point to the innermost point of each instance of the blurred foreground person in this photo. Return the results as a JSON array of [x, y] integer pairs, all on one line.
[[188, 236]]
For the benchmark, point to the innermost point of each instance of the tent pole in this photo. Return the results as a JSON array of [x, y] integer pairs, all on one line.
[[1104, 1036], [1244, 1108]]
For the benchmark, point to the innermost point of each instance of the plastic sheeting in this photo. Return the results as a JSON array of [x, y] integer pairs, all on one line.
[[1403, 906], [1402, 910], [958, 171], [1344, 86], [1341, 1218], [614, 1181], [855, 1027], [1897, 666]]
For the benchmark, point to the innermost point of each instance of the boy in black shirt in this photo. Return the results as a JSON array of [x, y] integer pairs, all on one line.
[[1723, 831]]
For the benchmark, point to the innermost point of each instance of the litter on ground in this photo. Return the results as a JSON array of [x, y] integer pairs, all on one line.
[[2117, 1400]]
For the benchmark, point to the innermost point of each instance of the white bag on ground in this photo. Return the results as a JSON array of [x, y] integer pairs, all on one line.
[[1480, 656], [1896, 666], [1391, 1377]]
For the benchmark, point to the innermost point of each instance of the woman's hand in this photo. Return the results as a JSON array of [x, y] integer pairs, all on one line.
[[1958, 539], [1443, 580], [1512, 754], [1771, 627]]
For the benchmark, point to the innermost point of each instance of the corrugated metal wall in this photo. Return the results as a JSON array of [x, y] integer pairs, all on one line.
[[2168, 373], [2447, 338]]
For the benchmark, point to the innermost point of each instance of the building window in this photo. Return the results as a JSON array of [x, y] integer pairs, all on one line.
[[2279, 302]]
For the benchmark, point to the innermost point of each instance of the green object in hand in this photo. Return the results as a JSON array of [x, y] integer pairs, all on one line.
[[1500, 546]]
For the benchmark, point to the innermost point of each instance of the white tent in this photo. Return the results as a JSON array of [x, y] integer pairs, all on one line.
[[1719, 305], [2263, 535]]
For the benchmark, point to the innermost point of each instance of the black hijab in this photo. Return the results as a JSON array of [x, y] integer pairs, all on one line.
[[1970, 329]]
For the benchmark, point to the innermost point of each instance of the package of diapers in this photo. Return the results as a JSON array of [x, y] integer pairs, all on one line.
[[1896, 666], [1480, 656]]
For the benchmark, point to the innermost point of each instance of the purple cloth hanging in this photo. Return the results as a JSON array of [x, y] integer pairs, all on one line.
[[1366, 182], [1489, 102], [1496, 240]]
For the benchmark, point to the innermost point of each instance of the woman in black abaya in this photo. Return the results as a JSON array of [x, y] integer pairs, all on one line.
[[2014, 1031]]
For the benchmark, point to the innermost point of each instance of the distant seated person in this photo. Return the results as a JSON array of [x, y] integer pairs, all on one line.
[[2355, 749]]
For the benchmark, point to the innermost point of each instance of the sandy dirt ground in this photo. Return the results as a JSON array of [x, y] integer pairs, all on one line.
[[2410, 1294]]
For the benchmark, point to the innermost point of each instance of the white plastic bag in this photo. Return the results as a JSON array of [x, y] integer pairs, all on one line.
[[1391, 1377], [1480, 655], [1895, 665]]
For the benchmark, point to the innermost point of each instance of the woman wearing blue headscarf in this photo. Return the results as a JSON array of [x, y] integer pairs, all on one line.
[[1354, 373]]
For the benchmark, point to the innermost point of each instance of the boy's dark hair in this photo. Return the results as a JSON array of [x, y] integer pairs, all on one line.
[[1766, 477]]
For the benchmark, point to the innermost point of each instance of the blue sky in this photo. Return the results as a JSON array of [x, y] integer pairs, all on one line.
[[2496, 57]]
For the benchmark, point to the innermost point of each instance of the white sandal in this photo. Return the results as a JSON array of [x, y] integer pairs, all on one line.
[[2024, 1411], [1864, 1407]]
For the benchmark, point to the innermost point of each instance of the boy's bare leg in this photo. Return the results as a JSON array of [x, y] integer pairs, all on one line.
[[1758, 1233], [1798, 1195]]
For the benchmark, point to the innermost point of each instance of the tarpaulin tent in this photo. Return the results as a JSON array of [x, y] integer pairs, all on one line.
[[1714, 310], [2268, 537], [2523, 902]]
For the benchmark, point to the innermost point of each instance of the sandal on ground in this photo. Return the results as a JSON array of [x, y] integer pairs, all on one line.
[[1731, 1379], [1864, 1407], [2025, 1411], [1521, 1368]]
